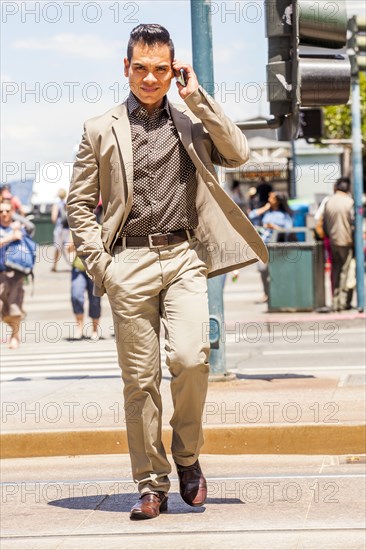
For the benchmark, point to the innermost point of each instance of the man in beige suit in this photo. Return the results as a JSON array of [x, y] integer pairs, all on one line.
[[167, 226]]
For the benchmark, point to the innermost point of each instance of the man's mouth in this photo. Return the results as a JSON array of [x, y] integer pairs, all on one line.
[[148, 89]]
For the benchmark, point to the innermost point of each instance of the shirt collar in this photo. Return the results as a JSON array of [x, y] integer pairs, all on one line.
[[135, 107]]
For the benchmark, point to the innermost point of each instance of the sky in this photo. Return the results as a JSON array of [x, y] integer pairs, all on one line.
[[62, 63]]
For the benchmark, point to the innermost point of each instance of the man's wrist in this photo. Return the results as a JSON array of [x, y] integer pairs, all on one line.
[[192, 94]]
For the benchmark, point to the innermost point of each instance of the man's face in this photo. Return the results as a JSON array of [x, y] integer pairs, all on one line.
[[149, 73], [6, 212]]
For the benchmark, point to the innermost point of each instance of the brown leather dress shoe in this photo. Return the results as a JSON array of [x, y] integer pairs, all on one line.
[[149, 505], [192, 484]]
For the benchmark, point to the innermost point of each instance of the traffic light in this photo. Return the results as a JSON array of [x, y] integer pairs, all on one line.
[[303, 69], [311, 123], [356, 44], [279, 68]]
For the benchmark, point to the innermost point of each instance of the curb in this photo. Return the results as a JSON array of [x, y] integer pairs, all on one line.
[[303, 439]]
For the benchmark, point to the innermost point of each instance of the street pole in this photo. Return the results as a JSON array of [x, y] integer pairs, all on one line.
[[202, 44], [203, 67], [357, 190], [293, 173]]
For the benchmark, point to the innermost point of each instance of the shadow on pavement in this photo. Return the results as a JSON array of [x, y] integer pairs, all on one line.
[[270, 377], [123, 502]]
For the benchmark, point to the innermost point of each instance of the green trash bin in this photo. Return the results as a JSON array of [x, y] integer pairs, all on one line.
[[44, 229], [296, 276]]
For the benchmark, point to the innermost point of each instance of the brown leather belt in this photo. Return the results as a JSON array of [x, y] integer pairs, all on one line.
[[156, 240]]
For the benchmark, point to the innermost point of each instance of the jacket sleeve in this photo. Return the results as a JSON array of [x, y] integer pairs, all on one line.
[[230, 147], [82, 200]]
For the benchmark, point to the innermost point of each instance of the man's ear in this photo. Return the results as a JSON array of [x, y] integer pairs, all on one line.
[[126, 64]]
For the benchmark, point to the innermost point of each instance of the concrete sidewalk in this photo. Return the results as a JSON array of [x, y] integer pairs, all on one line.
[[254, 502], [283, 437], [73, 405], [284, 415]]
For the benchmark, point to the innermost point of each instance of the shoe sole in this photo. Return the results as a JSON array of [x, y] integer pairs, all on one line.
[[195, 505]]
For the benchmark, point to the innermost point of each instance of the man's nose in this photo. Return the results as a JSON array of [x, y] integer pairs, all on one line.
[[150, 77]]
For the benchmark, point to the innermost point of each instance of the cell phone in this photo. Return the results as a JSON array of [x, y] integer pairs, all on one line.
[[181, 77]]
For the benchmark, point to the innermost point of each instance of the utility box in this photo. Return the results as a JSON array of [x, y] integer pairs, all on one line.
[[296, 276]]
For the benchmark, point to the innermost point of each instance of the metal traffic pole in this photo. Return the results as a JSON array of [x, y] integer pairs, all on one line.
[[203, 67], [356, 24], [357, 191]]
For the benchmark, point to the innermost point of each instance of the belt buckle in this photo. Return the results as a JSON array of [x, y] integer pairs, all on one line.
[[162, 235]]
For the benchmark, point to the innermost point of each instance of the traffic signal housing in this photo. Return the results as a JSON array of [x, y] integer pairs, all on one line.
[[356, 44], [279, 67], [311, 123], [307, 66]]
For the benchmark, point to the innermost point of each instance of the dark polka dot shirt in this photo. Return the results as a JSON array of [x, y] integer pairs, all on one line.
[[164, 176]]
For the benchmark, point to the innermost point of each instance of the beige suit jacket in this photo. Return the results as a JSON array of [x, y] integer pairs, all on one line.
[[104, 166]]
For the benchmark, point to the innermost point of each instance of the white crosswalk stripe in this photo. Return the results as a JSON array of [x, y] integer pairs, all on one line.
[[59, 359], [64, 358], [73, 359]]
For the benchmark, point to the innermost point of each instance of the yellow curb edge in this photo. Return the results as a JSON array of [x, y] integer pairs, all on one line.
[[304, 439]]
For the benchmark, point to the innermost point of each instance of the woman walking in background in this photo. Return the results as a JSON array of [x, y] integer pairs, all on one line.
[[61, 229], [81, 284], [274, 215]]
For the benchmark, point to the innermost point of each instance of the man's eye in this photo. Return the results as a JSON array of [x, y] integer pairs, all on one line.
[[161, 70]]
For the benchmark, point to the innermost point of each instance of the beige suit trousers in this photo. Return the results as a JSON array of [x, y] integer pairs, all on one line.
[[145, 286]]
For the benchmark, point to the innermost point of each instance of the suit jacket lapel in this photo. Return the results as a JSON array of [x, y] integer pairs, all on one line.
[[183, 125], [122, 130], [184, 128]]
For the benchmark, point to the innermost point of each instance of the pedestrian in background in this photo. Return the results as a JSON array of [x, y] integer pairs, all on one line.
[[16, 203], [338, 226], [82, 285], [11, 280], [263, 191], [236, 194], [166, 224], [274, 215], [61, 229]]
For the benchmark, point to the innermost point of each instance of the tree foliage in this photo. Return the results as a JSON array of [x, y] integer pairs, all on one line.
[[338, 119]]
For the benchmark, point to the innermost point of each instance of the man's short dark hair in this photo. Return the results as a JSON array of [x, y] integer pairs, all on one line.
[[150, 34], [343, 184]]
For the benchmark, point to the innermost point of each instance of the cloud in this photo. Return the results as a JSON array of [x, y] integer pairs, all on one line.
[[20, 132], [28, 137], [86, 46]]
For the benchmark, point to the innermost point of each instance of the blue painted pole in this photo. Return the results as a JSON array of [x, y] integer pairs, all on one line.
[[293, 190], [357, 191], [203, 67], [202, 44]]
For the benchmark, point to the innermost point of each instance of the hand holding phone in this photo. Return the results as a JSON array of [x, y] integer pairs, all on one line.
[[186, 78], [181, 77]]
